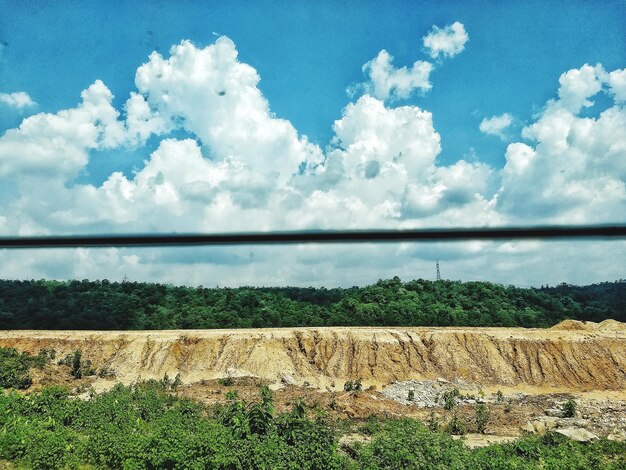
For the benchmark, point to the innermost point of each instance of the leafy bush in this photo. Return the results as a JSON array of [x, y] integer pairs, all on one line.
[[14, 368], [482, 417], [350, 386], [569, 409], [144, 426], [432, 423], [449, 398], [80, 368], [457, 426], [44, 356], [409, 444], [226, 381], [76, 371]]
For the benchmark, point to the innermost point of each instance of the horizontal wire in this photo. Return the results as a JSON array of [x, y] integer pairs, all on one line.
[[318, 236]]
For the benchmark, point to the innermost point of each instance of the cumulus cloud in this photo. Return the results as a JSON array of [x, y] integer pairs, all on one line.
[[58, 144], [447, 41], [242, 168], [578, 85], [496, 125], [214, 96], [388, 82], [382, 171], [573, 170], [142, 121], [18, 99], [617, 85]]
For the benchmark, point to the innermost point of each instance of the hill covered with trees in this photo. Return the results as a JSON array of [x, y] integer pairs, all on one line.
[[105, 305]]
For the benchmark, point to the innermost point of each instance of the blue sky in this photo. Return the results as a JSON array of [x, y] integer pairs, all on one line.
[[307, 54]]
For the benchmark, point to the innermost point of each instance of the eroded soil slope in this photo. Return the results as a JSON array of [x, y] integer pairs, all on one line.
[[572, 356]]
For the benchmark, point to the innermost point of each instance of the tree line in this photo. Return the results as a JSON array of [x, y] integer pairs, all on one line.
[[106, 305]]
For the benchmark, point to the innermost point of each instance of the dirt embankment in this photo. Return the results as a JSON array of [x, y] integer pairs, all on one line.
[[578, 357]]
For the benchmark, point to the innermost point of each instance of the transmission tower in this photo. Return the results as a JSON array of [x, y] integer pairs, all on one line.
[[438, 273]]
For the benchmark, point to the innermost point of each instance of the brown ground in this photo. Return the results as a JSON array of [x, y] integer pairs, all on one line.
[[572, 356], [360, 405], [536, 370]]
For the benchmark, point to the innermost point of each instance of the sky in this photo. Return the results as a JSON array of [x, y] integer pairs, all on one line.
[[134, 117]]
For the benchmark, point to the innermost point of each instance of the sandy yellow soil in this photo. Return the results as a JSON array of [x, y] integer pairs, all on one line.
[[574, 356]]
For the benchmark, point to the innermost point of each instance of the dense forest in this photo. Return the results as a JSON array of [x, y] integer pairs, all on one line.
[[109, 305]]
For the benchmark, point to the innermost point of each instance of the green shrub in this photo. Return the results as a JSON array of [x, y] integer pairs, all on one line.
[[76, 371], [350, 386], [14, 369], [569, 409], [147, 427], [482, 417], [433, 423], [177, 382], [80, 368], [371, 426], [449, 398], [456, 426], [43, 357], [409, 444], [226, 381]]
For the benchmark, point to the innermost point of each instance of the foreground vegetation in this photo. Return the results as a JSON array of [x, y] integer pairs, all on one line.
[[146, 426], [104, 305]]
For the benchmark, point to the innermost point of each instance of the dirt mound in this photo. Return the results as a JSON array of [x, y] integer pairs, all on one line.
[[574, 325], [611, 325], [326, 357]]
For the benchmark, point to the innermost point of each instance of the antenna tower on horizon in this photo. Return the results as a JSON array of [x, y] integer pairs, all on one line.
[[438, 273]]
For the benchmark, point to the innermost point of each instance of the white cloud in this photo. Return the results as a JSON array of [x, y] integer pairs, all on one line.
[[18, 99], [574, 170], [383, 170], [617, 85], [496, 125], [55, 144], [578, 85], [388, 82], [244, 169], [447, 41], [142, 121], [214, 96]]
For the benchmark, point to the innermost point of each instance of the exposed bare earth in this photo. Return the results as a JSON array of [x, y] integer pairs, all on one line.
[[536, 370], [590, 358]]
